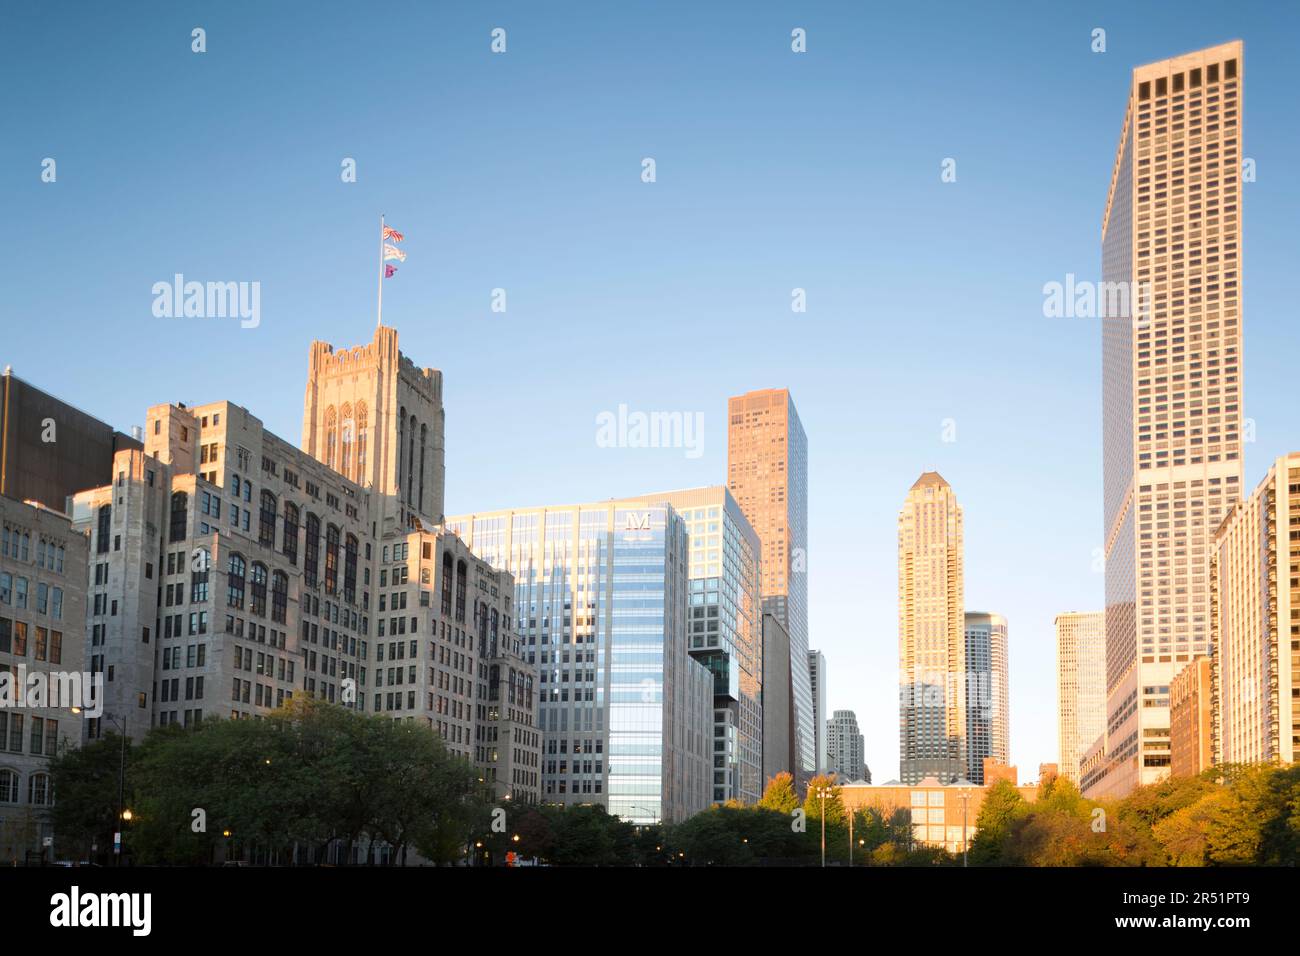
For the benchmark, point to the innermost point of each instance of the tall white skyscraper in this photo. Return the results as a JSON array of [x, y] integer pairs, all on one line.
[[1171, 382]]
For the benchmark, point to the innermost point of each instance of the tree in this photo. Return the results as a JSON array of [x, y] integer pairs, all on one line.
[[779, 794], [1002, 804]]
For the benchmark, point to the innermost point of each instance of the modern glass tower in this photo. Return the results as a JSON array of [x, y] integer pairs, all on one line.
[[931, 634], [988, 693], [767, 472], [601, 593], [1171, 374], [726, 632]]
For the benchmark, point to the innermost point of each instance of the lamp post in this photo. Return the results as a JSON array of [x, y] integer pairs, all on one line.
[[965, 840], [823, 792], [122, 813]]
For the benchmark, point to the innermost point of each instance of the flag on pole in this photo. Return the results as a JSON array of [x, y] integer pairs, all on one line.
[[389, 271], [393, 234], [392, 252]]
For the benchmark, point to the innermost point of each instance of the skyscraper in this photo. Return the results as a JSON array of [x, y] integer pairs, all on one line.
[[988, 698], [767, 472], [844, 746], [1255, 575], [931, 634], [726, 632], [601, 599], [817, 687], [377, 419], [1171, 238], [1081, 685]]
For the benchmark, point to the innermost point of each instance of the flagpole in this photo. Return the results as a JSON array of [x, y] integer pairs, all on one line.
[[380, 320]]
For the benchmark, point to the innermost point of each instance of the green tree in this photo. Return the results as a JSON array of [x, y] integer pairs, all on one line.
[[779, 794]]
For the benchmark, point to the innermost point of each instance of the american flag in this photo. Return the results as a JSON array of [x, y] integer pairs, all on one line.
[[393, 234]]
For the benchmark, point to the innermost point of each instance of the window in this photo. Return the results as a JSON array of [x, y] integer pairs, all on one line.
[[38, 789], [258, 603], [291, 532], [350, 570], [8, 780], [332, 559], [279, 596], [235, 581], [104, 529], [311, 555], [266, 520], [199, 576], [180, 505]]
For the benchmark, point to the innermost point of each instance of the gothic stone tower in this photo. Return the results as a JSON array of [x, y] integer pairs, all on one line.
[[374, 417]]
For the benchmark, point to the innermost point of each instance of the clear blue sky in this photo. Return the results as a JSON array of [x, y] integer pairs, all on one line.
[[522, 171]]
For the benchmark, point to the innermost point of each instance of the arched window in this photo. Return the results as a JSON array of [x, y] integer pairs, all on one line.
[[332, 559], [424, 438], [345, 434], [180, 505], [350, 569], [105, 529], [291, 532], [235, 581], [331, 426], [39, 793], [462, 580], [8, 786], [258, 603], [279, 596], [447, 575], [311, 551], [410, 462], [362, 425], [401, 449], [266, 521]]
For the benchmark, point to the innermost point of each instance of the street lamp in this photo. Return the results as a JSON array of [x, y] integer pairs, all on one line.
[[965, 840], [823, 792], [122, 812]]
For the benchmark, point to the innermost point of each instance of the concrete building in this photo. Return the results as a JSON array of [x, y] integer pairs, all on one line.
[[42, 641], [1081, 685], [447, 653], [1191, 719], [988, 694], [1172, 384], [1255, 576], [726, 632], [942, 815], [845, 746], [767, 472], [50, 450], [931, 634], [778, 718], [817, 686], [601, 600]]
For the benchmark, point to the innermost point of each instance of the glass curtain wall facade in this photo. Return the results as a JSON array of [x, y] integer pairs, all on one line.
[[601, 599], [726, 621]]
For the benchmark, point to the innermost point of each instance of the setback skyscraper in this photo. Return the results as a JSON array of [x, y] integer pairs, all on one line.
[[767, 472], [931, 634], [1171, 350]]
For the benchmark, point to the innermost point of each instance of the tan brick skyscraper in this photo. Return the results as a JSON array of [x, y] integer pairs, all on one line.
[[767, 474], [931, 634], [1171, 390]]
